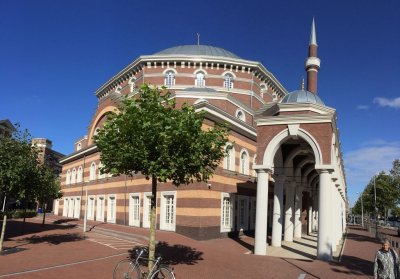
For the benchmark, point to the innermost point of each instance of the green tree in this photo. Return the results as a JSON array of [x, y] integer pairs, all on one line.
[[17, 165], [151, 136], [48, 187]]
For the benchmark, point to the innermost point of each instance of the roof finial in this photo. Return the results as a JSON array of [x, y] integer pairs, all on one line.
[[313, 36], [302, 84], [198, 39]]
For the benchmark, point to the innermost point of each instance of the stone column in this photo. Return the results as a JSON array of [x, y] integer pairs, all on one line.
[[278, 208], [289, 208], [260, 239], [324, 248], [298, 209]]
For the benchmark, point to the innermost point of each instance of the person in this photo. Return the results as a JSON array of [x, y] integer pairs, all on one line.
[[386, 264]]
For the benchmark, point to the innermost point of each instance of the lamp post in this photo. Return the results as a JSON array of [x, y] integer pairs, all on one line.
[[362, 210], [376, 211]]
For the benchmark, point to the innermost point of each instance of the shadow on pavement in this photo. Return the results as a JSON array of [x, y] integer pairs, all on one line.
[[353, 266], [54, 239], [175, 254], [17, 228]]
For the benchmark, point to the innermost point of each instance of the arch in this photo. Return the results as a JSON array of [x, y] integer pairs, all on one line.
[[229, 159], [73, 177], [240, 114], [80, 174], [169, 77], [200, 78], [99, 116], [277, 141], [92, 175], [244, 162]]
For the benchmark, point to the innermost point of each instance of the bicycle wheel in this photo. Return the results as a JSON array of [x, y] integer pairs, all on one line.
[[163, 272], [125, 269]]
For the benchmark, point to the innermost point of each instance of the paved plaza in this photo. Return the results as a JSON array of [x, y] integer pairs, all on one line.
[[61, 250]]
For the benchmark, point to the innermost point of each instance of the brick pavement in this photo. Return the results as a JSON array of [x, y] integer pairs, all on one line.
[[61, 250]]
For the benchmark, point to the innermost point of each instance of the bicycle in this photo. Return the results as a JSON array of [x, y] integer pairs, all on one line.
[[130, 269]]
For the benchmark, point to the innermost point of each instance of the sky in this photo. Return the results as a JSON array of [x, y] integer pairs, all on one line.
[[55, 54]]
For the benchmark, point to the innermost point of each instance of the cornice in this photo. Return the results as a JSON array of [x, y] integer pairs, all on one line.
[[293, 119], [78, 154]]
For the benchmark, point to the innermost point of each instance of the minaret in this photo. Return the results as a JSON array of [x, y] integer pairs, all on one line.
[[312, 63]]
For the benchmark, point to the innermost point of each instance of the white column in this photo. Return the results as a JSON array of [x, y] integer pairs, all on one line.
[[260, 239], [277, 217], [298, 209], [333, 223], [324, 249], [289, 208]]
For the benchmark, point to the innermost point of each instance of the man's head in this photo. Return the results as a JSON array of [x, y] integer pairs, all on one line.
[[386, 245]]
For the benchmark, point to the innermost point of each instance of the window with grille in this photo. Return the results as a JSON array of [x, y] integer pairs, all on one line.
[[228, 81], [169, 79], [226, 213], [200, 82]]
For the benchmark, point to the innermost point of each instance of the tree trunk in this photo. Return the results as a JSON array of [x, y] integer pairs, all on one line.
[[3, 230], [44, 212], [152, 239]]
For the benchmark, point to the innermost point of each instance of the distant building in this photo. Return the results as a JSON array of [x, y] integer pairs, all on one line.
[[284, 175], [6, 128]]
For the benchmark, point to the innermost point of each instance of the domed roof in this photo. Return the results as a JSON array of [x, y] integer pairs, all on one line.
[[302, 96], [198, 50]]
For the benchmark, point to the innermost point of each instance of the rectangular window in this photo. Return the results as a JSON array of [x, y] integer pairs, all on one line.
[[90, 208], [100, 208], [111, 208], [167, 211]]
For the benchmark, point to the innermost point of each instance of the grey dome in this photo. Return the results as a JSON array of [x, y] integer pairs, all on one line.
[[198, 50], [302, 96]]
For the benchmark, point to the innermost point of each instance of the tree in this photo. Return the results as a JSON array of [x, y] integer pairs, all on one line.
[[151, 136], [17, 163], [48, 186]]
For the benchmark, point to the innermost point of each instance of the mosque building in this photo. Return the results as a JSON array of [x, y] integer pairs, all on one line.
[[283, 176]]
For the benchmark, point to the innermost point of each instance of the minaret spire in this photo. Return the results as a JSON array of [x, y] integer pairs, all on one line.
[[312, 63]]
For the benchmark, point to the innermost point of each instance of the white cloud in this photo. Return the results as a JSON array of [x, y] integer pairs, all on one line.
[[363, 163], [384, 102], [362, 107]]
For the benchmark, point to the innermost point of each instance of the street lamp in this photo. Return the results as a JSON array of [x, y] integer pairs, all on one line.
[[362, 210]]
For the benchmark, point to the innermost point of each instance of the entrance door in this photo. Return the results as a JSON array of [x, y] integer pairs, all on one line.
[[71, 206], [65, 207], [90, 209], [168, 208], [146, 210], [100, 208], [77, 207], [134, 210], [111, 208], [243, 213]]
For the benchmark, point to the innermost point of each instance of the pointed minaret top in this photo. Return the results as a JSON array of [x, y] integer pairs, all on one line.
[[313, 36]]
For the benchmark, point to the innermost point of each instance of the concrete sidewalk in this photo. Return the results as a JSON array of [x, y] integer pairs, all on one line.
[[61, 250]]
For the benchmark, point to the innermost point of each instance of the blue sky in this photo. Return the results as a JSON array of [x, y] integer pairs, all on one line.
[[55, 54]]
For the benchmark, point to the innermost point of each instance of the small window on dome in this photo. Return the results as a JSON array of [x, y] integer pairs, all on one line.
[[132, 83], [228, 81], [169, 79], [79, 146], [200, 81]]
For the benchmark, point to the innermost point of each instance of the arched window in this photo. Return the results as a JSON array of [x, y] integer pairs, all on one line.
[[79, 146], [101, 176], [229, 160], [240, 115], [80, 174], [92, 175], [68, 177], [244, 162], [169, 79], [200, 81], [228, 81], [73, 178], [263, 89], [132, 83]]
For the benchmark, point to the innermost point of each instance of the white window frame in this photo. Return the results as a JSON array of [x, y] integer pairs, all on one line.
[[111, 208], [100, 211], [71, 207], [77, 207], [146, 209], [134, 209], [79, 177], [68, 177], [79, 146], [227, 222], [132, 84], [93, 168], [164, 225], [244, 165], [200, 82], [169, 78], [240, 115], [73, 176], [229, 159], [65, 207], [228, 81], [91, 205], [243, 213]]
